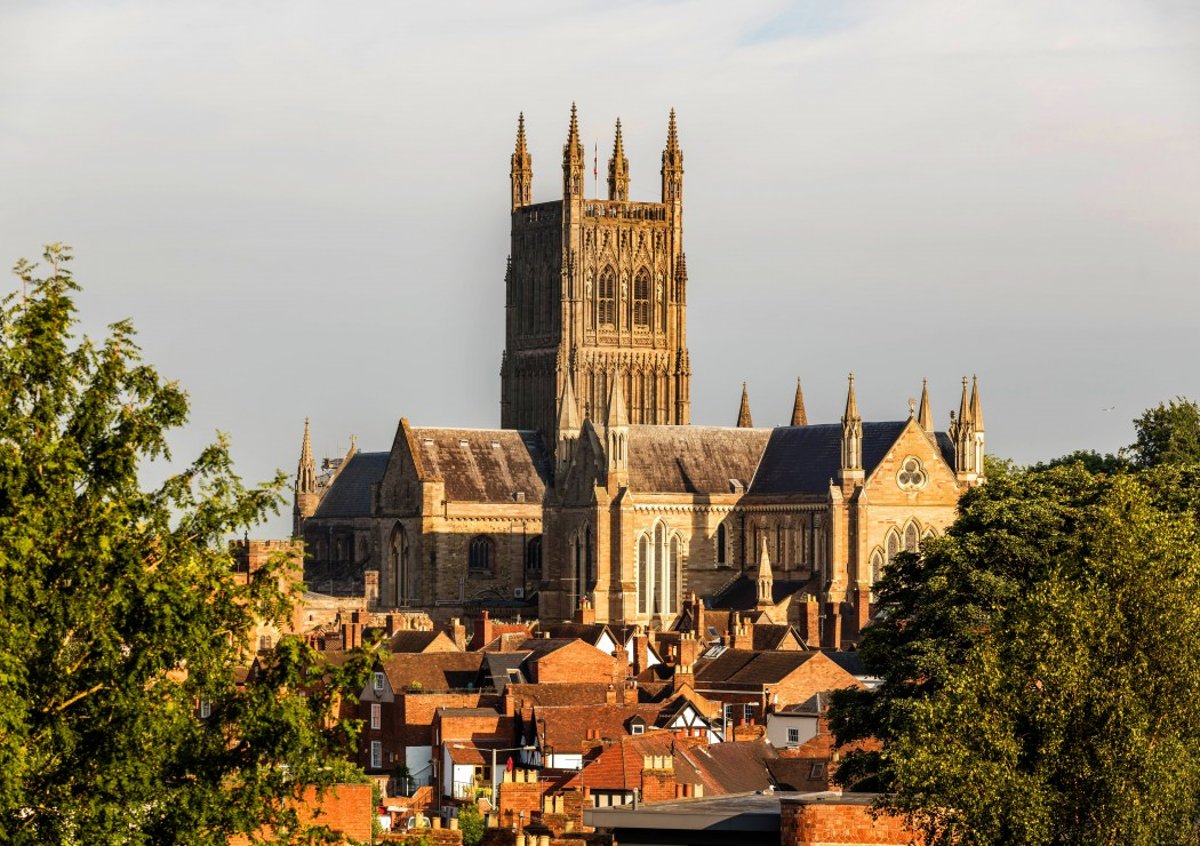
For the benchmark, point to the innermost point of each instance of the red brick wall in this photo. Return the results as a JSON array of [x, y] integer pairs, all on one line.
[[345, 808], [658, 785], [837, 824], [816, 675], [577, 662]]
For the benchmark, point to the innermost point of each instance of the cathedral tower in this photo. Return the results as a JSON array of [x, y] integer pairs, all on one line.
[[306, 498], [595, 294]]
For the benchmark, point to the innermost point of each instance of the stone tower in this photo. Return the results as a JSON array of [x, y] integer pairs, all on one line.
[[596, 292]]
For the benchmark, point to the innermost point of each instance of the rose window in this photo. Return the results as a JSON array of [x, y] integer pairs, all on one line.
[[912, 474]]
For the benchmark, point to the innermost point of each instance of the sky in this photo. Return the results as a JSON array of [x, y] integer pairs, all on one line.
[[304, 207]]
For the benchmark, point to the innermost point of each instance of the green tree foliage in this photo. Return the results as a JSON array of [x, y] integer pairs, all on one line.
[[119, 612], [1168, 434], [1041, 665], [470, 823]]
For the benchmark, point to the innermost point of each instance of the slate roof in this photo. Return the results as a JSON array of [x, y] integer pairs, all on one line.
[[802, 459], [746, 667], [693, 459], [350, 493], [434, 670], [498, 664], [485, 465], [742, 595]]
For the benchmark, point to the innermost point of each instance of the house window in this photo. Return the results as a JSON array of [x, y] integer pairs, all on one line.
[[264, 642], [481, 560], [376, 715], [818, 770], [747, 712], [378, 683], [205, 709], [793, 736], [637, 728], [376, 755]]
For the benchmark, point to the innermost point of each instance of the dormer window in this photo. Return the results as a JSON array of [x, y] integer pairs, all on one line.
[[377, 683]]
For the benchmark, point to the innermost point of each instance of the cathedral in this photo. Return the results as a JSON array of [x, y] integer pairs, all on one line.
[[596, 490]]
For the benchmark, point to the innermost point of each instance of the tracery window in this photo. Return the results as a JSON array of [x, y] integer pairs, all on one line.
[[912, 475], [401, 576], [893, 545], [912, 537], [659, 571], [533, 557], [607, 296], [481, 559], [641, 299]]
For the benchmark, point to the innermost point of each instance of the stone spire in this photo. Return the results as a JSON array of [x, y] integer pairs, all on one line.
[[618, 169], [744, 419], [852, 433], [672, 165], [573, 159], [977, 425], [521, 173], [924, 415], [799, 416], [766, 581], [962, 433], [306, 498], [617, 415], [976, 408]]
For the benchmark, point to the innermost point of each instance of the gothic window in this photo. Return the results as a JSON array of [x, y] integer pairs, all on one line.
[[779, 546], [912, 475], [876, 565], [912, 538], [533, 557], [674, 577], [722, 540], [589, 561], [660, 544], [643, 574], [607, 298], [641, 299], [400, 566], [893, 544], [481, 561]]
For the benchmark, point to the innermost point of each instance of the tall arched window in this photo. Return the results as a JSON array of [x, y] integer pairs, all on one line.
[[641, 299], [401, 585], [912, 538], [481, 559], [893, 544], [533, 557], [722, 539], [643, 574], [674, 577], [607, 296], [876, 565], [660, 545]]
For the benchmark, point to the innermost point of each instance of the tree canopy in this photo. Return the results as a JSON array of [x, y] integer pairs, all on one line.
[[120, 614], [1041, 662]]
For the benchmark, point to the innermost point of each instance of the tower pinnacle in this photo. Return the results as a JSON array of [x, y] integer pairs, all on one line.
[[744, 420], [924, 415], [799, 416], [618, 169], [521, 173], [573, 159], [672, 165]]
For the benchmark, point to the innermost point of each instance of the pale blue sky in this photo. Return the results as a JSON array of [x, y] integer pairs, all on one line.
[[304, 206]]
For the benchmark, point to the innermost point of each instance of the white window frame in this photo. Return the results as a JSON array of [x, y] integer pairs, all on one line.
[[205, 709], [376, 715], [793, 737], [376, 755], [378, 683]]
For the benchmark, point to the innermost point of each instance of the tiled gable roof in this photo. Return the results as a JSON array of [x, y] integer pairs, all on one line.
[[746, 667], [693, 459], [485, 465], [350, 493], [415, 641], [433, 670]]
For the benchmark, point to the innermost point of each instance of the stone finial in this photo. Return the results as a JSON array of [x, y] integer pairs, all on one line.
[[744, 421]]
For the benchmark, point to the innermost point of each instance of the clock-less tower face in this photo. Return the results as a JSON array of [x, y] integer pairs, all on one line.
[[596, 292]]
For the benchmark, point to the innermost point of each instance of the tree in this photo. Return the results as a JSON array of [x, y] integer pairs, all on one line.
[[1041, 666], [119, 613], [1168, 434], [470, 823]]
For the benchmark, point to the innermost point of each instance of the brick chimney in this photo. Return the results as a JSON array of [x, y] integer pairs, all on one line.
[[689, 650], [832, 636], [484, 630], [390, 624], [741, 636], [585, 614], [610, 695], [371, 588], [684, 674], [641, 652], [810, 621], [458, 633]]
